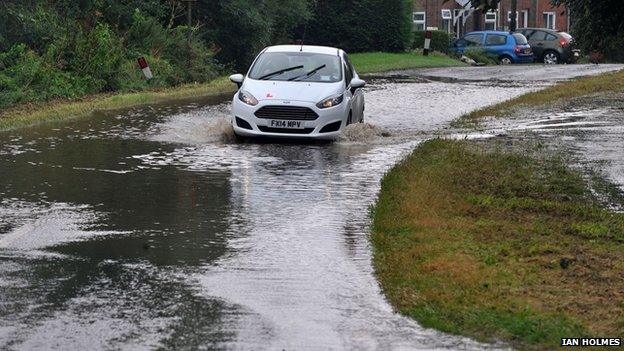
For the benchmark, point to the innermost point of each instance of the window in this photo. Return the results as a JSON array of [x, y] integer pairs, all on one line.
[[446, 20], [285, 66], [538, 35], [495, 39], [490, 20], [549, 20], [550, 37], [472, 40], [509, 18], [420, 20], [525, 18], [520, 39]]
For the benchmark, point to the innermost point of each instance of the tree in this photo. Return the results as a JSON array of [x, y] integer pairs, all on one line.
[[361, 25]]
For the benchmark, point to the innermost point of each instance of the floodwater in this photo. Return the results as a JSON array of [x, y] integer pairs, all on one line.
[[588, 129], [152, 229]]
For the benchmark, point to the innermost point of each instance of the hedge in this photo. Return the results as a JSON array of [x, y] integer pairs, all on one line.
[[440, 41]]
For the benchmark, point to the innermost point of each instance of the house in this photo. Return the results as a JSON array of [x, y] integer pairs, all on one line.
[[458, 17]]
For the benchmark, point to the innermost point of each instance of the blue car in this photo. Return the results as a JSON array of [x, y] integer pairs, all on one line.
[[506, 47]]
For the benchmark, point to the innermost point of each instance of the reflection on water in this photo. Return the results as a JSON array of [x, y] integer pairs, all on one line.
[[150, 228]]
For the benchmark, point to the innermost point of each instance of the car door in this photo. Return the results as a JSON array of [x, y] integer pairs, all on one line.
[[537, 40], [359, 93], [470, 40], [495, 44], [354, 97]]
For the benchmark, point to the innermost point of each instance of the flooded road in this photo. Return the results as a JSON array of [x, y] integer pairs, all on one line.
[[152, 229]]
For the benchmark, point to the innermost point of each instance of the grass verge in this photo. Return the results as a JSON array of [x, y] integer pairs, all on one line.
[[31, 114], [496, 245], [372, 62], [604, 83]]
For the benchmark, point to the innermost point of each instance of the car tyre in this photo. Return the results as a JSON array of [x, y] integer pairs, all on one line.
[[505, 60], [550, 58]]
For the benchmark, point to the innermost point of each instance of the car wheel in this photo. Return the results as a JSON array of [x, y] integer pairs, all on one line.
[[505, 60], [550, 58]]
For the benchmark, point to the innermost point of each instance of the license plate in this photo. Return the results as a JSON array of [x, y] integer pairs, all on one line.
[[279, 123]]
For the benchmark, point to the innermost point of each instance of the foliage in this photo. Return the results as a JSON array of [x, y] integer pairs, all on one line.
[[68, 48], [440, 41], [481, 56], [358, 26], [598, 26]]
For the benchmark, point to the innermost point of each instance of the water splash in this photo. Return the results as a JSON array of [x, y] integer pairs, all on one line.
[[362, 132]]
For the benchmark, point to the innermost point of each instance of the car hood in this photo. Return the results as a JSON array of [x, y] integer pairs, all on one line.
[[291, 91]]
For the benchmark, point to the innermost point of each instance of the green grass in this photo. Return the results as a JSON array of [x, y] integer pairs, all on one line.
[[604, 83], [495, 245], [382, 61], [32, 114]]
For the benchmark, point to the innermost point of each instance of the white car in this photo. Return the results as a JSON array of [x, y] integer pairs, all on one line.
[[297, 91]]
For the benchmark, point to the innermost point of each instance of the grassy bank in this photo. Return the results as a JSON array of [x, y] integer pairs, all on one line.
[[382, 61], [31, 114], [475, 241], [604, 83]]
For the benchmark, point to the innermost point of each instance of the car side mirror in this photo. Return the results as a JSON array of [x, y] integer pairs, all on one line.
[[357, 83], [237, 79]]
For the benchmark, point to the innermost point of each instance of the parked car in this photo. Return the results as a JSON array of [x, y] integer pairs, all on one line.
[[551, 46], [506, 47], [298, 91]]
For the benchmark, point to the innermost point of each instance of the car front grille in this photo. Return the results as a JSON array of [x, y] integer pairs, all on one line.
[[286, 112], [285, 130]]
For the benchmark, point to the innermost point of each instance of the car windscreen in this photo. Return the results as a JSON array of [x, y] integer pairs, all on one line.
[[520, 39], [297, 66]]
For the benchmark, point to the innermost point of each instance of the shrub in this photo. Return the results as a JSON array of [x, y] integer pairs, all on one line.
[[359, 26], [481, 56], [440, 41], [27, 76]]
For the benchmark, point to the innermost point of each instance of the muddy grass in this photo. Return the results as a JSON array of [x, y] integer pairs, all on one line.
[[474, 240], [609, 83], [32, 114]]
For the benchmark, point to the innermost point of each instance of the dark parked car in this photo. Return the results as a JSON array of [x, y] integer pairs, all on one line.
[[551, 46], [507, 48]]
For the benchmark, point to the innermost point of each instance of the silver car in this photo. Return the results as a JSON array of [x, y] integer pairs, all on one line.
[[298, 91]]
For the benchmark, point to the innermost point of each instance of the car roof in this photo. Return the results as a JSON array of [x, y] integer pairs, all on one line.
[[489, 32], [542, 29], [303, 48]]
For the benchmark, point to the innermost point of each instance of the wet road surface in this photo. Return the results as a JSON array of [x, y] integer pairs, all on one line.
[[150, 228]]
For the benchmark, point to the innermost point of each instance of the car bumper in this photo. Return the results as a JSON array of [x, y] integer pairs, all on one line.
[[311, 129], [524, 58]]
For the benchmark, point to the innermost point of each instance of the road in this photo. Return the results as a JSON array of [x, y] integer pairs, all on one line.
[[150, 228]]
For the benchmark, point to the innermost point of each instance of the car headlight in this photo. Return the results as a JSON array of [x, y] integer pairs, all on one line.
[[331, 101], [247, 98]]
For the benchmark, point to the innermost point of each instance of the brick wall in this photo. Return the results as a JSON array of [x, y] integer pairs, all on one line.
[[530, 14]]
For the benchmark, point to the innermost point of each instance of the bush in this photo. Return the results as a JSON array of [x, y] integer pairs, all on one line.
[[440, 41], [481, 56], [366, 25], [26, 76]]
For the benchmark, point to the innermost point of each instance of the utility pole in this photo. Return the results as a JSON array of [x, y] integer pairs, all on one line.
[[513, 23]]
